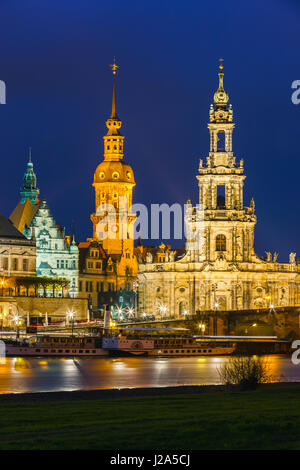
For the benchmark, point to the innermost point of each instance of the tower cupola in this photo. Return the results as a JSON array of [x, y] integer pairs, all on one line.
[[29, 189]]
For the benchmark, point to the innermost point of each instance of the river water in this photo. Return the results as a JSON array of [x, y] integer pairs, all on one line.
[[19, 375]]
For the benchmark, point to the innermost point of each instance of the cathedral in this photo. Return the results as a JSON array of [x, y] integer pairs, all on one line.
[[220, 269]]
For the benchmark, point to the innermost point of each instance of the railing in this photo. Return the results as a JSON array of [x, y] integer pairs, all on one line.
[[13, 292]]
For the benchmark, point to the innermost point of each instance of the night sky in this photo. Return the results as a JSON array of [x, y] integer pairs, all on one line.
[[55, 57]]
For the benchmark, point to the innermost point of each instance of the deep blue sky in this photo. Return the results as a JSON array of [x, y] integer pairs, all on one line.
[[55, 57]]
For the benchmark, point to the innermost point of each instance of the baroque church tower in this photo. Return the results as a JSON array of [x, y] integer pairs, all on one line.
[[113, 183], [227, 228]]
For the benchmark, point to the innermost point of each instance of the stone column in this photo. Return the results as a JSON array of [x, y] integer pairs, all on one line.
[[241, 196], [208, 244], [214, 196], [233, 242]]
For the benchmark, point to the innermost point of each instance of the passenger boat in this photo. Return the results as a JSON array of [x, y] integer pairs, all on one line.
[[54, 345], [163, 345], [187, 346]]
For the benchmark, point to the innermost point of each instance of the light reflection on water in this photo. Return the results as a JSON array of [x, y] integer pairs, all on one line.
[[56, 374]]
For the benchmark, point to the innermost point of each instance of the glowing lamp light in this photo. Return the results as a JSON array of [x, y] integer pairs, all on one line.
[[130, 311], [71, 314], [163, 309]]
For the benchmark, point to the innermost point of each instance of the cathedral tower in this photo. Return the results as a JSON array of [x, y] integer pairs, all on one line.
[[113, 183], [228, 225]]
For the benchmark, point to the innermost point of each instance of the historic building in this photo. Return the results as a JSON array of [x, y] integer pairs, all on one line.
[[56, 254], [220, 269], [17, 253], [107, 260], [17, 260]]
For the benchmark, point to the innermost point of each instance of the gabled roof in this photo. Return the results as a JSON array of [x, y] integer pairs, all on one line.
[[9, 231], [23, 214]]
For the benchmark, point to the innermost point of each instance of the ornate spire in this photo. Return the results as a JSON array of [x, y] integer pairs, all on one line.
[[113, 140], [29, 189], [221, 98], [114, 123], [114, 68]]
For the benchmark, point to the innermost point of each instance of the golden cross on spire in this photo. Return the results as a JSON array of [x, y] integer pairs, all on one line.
[[221, 65], [114, 67]]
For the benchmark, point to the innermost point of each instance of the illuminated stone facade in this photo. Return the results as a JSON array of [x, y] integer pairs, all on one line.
[[222, 271], [56, 255]]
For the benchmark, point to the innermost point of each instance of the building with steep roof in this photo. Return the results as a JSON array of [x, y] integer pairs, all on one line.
[[24, 212], [17, 253], [56, 254]]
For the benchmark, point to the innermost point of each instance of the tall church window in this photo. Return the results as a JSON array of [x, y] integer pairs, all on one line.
[[221, 196], [220, 243], [221, 141], [25, 264]]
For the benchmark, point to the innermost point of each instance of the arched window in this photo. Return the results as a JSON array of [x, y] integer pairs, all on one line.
[[220, 243]]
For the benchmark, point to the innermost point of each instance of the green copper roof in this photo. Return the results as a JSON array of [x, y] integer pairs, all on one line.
[[29, 189]]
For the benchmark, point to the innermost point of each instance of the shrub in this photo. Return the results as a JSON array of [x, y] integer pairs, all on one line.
[[245, 372]]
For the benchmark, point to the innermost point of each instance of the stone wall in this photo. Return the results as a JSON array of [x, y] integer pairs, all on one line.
[[55, 307]]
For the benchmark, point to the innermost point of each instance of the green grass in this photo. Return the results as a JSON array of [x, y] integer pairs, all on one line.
[[263, 419]]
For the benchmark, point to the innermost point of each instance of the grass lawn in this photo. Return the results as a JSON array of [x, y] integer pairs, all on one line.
[[263, 419]]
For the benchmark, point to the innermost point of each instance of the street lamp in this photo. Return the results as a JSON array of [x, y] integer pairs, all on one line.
[[215, 317], [202, 327], [71, 318], [18, 323], [163, 310], [135, 286], [120, 313], [130, 312]]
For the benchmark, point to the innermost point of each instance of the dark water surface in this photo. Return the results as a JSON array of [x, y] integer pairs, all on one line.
[[57, 374]]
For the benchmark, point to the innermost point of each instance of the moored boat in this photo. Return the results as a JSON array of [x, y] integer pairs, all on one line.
[[161, 342], [54, 345]]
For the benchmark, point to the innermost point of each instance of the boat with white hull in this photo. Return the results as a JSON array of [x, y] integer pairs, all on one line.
[[163, 346], [56, 346]]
